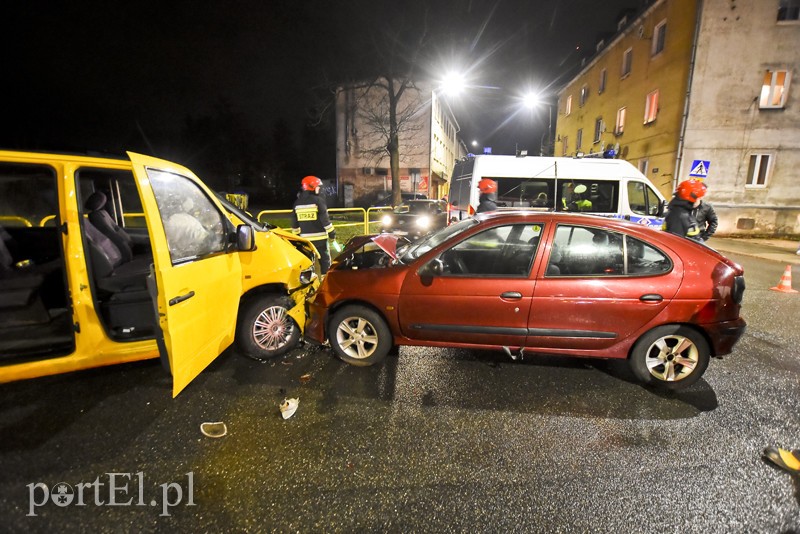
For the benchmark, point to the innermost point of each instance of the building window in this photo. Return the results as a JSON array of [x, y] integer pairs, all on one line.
[[659, 38], [621, 23], [651, 107], [602, 85], [757, 174], [584, 95], [619, 126], [598, 129], [579, 139], [788, 10], [568, 106], [643, 166], [774, 89], [627, 60], [564, 145]]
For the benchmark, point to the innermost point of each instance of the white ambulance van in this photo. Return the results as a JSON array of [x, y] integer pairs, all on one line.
[[608, 187]]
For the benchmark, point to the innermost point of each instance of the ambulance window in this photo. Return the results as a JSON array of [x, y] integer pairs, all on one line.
[[637, 198], [653, 202]]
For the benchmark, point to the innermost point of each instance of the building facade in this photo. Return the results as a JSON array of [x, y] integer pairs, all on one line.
[[428, 139], [699, 88]]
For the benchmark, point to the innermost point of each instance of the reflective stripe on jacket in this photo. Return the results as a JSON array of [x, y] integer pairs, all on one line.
[[310, 217]]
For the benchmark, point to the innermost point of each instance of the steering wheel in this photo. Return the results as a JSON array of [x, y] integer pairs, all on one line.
[[453, 263]]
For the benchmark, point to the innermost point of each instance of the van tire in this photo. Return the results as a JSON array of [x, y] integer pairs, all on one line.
[[265, 329]]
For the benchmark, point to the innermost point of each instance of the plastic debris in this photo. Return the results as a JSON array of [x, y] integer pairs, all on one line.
[[288, 407], [214, 430], [305, 378]]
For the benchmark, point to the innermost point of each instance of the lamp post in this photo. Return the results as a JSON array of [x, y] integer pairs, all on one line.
[[531, 101]]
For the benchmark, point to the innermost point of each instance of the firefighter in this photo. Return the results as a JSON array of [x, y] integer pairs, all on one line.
[[679, 220], [310, 219], [487, 199]]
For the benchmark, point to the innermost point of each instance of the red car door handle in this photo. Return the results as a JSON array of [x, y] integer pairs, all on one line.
[[511, 295], [651, 297]]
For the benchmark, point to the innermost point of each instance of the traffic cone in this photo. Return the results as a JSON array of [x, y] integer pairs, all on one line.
[[785, 285]]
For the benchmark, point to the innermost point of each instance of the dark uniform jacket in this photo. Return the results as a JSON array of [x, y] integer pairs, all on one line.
[[486, 203], [310, 217], [706, 219], [679, 220]]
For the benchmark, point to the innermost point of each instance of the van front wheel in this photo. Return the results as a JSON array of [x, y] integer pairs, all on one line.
[[265, 329]]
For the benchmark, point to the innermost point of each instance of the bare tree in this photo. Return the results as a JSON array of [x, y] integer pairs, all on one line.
[[389, 52]]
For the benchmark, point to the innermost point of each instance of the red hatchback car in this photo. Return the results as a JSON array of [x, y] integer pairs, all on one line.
[[546, 283]]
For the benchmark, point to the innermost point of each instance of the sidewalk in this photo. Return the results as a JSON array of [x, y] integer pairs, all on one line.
[[782, 250]]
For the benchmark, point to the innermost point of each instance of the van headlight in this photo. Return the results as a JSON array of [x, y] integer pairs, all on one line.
[[308, 275], [386, 220], [424, 222]]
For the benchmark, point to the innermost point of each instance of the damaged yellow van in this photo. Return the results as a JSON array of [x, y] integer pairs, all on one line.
[[105, 261]]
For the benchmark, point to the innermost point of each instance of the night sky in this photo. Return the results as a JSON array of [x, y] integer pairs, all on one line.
[[130, 75]]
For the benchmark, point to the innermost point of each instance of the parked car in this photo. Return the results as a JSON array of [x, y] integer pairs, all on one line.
[[416, 218], [386, 199], [109, 260], [528, 282]]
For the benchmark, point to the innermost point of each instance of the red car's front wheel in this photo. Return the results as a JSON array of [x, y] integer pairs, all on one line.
[[359, 336]]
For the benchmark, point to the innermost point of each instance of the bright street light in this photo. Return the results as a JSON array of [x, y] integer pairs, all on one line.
[[453, 84], [474, 142]]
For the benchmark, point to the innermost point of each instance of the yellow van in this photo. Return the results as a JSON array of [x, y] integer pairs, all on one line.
[[105, 261]]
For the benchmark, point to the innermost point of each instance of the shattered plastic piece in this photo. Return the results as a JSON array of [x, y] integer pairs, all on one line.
[[785, 459], [305, 378], [214, 430], [288, 407]]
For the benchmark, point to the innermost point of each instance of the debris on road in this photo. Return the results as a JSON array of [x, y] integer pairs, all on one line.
[[288, 407], [214, 430]]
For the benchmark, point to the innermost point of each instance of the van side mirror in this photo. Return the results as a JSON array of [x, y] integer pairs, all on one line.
[[662, 208], [245, 238]]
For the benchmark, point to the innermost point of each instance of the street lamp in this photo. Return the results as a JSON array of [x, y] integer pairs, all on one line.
[[531, 100], [452, 84]]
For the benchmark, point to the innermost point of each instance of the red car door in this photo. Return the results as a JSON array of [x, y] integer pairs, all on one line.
[[589, 298], [481, 294]]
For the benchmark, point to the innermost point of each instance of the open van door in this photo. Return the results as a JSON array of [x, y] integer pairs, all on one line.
[[199, 281]]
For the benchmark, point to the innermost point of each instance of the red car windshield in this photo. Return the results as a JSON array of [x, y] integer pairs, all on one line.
[[418, 248]]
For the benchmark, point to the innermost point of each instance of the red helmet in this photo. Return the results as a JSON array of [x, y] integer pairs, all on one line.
[[310, 183], [487, 186], [691, 190]]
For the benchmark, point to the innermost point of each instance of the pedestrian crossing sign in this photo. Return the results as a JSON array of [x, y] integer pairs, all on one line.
[[700, 168]]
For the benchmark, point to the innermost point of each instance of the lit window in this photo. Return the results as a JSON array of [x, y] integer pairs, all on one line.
[[788, 10], [619, 127], [579, 139], [659, 38], [564, 145], [759, 170], [774, 89], [568, 106], [602, 86], [651, 107], [627, 60], [598, 129], [584, 95]]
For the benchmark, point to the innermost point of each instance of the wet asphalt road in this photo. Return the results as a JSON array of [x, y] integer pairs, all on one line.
[[433, 440]]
